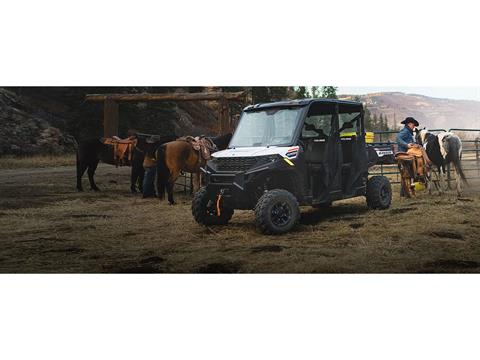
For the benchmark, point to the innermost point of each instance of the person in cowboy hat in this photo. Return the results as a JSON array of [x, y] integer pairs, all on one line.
[[405, 138], [406, 143]]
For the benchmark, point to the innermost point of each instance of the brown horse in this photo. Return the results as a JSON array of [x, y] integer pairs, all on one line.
[[180, 155]]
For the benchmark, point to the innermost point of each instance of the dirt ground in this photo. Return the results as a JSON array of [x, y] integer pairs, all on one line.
[[46, 226]]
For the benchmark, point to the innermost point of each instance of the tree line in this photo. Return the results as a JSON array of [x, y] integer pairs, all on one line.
[[261, 94], [377, 123]]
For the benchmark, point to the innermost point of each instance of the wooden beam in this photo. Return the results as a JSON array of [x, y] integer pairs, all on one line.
[[208, 96]]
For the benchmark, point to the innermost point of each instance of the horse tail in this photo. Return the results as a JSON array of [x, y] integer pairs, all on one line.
[[74, 141], [76, 148], [77, 151], [455, 149], [163, 173], [80, 170], [458, 167]]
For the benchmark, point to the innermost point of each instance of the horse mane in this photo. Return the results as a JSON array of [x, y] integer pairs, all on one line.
[[222, 141], [426, 136]]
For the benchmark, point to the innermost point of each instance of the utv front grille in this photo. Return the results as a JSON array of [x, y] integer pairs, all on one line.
[[240, 163]]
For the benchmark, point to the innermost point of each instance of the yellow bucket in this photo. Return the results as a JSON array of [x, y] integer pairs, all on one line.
[[369, 137], [419, 186]]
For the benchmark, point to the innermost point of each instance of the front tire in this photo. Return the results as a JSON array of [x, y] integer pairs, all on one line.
[[379, 193], [277, 212], [204, 210]]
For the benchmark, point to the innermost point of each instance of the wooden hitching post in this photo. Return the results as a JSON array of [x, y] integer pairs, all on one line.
[[110, 118], [224, 116]]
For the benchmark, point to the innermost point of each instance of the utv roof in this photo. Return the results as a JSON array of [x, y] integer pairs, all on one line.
[[300, 102]]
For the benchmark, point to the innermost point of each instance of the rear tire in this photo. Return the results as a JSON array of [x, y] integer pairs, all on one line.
[[379, 193], [204, 210], [277, 212]]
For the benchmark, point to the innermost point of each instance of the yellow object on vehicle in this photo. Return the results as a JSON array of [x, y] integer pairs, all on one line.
[[369, 136]]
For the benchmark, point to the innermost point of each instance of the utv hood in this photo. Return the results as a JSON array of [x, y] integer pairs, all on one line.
[[284, 151]]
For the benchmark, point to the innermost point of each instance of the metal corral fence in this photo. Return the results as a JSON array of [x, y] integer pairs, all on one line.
[[470, 159], [184, 184]]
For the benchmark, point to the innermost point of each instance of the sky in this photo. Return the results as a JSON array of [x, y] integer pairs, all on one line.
[[449, 92]]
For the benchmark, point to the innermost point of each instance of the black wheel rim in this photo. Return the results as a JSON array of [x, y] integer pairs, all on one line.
[[281, 214], [384, 194], [211, 210]]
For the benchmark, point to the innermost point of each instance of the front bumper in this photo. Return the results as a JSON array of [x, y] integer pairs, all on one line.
[[239, 187]]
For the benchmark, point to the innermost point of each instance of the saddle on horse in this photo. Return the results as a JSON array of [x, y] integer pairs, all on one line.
[[122, 149], [414, 166], [202, 144], [417, 158]]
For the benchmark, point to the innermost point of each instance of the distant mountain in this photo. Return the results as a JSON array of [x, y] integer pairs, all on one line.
[[431, 112]]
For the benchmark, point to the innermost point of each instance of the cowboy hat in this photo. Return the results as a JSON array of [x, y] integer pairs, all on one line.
[[410, 120]]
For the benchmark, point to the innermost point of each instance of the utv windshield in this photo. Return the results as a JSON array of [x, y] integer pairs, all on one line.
[[269, 127]]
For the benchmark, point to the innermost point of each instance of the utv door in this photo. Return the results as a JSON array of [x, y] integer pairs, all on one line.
[[354, 165], [323, 151]]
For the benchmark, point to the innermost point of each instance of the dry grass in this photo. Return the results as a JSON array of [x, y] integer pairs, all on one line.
[[37, 161], [46, 226]]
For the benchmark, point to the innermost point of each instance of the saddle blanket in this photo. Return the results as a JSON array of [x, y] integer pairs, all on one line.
[[122, 149]]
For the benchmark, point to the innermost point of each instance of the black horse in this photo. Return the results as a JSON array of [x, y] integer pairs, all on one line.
[[90, 152]]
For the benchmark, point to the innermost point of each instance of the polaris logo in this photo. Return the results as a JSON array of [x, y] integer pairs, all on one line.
[[381, 153]]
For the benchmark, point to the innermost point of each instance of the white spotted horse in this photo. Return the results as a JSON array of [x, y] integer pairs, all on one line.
[[443, 149]]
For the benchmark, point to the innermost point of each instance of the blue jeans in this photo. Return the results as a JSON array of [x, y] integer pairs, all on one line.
[[149, 182]]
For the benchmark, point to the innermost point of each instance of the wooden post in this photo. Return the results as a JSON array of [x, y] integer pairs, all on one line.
[[224, 116], [110, 118], [477, 155]]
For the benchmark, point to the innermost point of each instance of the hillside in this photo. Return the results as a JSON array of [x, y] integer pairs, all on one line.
[[48, 120], [430, 112]]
